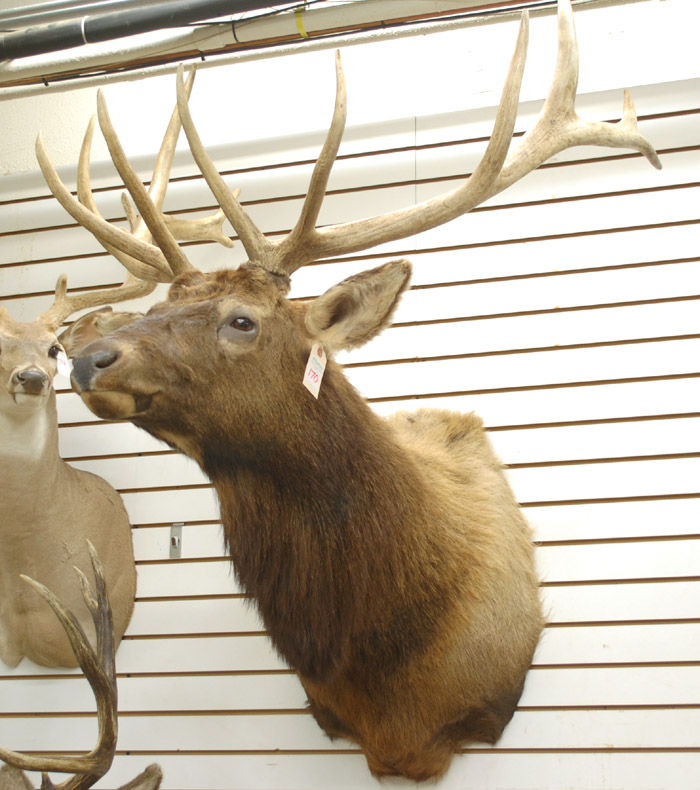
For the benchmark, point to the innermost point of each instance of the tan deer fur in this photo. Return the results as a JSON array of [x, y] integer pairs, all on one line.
[[48, 508]]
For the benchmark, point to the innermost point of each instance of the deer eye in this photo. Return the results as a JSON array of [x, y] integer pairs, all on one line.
[[54, 351]]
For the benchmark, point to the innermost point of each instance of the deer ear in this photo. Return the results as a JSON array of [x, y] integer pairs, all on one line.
[[357, 309]]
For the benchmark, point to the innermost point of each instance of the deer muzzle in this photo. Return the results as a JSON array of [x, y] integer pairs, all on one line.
[[30, 381]]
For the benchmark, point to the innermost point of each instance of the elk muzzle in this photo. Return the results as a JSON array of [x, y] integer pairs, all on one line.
[[105, 387], [85, 368]]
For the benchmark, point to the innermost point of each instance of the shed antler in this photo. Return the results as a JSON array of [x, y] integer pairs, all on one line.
[[99, 668]]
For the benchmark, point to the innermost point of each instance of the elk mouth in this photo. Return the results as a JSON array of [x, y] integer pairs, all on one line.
[[91, 380], [112, 405]]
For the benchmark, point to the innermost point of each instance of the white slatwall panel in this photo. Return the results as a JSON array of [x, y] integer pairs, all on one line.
[[565, 313]]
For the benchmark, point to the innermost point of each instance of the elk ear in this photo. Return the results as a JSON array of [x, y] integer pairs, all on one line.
[[81, 332], [93, 326], [357, 309]]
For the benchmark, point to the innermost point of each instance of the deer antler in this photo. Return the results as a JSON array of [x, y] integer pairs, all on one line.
[[65, 305], [557, 128], [99, 669]]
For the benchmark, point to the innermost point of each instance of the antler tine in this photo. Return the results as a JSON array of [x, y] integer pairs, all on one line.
[[161, 172], [304, 232], [65, 305], [307, 243], [139, 268], [204, 229], [207, 228], [354, 236], [151, 215], [99, 669], [104, 231], [255, 243], [559, 127]]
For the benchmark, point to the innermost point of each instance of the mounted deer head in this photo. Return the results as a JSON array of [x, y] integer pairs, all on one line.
[[47, 508], [98, 665], [388, 558]]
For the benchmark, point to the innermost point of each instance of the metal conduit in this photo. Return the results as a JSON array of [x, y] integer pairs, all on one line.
[[12, 19], [118, 24]]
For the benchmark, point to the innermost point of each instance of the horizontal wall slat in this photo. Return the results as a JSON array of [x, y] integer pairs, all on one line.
[[265, 693], [554, 521], [603, 769], [560, 646], [662, 358], [540, 729]]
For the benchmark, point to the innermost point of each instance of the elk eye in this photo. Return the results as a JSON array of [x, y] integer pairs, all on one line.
[[54, 351], [239, 328], [243, 324]]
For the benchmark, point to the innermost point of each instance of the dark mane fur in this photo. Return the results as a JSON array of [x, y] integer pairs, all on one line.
[[315, 542]]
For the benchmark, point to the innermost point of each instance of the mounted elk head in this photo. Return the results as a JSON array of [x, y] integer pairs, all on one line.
[[98, 665], [48, 508], [388, 558]]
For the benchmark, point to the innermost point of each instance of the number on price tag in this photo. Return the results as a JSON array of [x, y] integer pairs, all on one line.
[[315, 369], [62, 363]]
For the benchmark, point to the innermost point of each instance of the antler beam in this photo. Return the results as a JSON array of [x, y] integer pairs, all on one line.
[[558, 127]]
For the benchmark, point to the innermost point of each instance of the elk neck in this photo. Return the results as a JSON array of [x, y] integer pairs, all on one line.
[[310, 516]]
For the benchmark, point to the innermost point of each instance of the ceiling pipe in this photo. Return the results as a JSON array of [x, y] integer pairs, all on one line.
[[118, 24], [13, 19]]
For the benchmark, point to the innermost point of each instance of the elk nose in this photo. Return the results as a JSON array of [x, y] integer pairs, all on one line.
[[103, 359], [31, 380], [84, 368]]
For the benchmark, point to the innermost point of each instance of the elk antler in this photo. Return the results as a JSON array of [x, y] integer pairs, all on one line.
[[145, 262], [99, 669], [557, 128]]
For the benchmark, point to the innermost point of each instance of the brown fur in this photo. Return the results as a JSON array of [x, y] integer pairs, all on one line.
[[388, 558]]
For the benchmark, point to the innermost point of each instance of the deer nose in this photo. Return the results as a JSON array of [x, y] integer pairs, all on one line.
[[31, 381], [84, 368]]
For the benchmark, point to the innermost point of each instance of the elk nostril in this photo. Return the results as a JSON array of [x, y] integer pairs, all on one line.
[[85, 368], [103, 359]]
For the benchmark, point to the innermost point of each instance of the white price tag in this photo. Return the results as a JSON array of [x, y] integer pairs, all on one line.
[[315, 369], [63, 365]]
